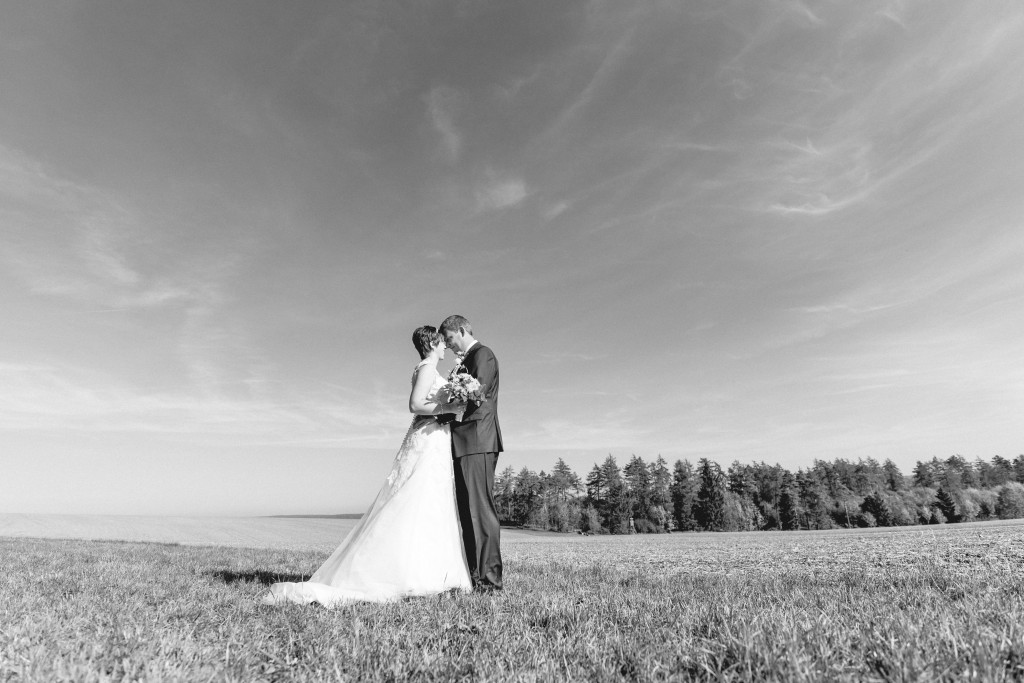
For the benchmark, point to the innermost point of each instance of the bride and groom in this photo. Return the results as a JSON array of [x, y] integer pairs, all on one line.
[[433, 526]]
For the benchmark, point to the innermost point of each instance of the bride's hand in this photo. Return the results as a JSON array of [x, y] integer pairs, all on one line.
[[453, 407]]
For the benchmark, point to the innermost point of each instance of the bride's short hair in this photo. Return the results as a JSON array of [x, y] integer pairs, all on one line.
[[453, 322], [425, 339]]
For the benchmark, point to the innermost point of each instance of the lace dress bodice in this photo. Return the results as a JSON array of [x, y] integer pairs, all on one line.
[[424, 366], [438, 380], [422, 427]]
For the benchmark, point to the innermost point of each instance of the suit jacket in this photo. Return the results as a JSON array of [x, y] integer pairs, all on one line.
[[478, 431]]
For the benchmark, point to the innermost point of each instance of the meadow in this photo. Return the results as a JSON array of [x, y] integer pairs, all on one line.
[[920, 603]]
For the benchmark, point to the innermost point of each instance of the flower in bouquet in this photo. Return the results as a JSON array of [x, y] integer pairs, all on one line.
[[462, 387]]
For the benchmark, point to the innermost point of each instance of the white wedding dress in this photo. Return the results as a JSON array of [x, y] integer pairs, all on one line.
[[409, 542]]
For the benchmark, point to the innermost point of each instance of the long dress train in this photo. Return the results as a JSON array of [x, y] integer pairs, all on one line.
[[409, 542]]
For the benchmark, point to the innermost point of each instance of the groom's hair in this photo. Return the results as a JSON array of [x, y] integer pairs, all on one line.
[[425, 339], [453, 322]]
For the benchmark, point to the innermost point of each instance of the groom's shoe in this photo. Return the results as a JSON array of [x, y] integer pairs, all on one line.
[[487, 588]]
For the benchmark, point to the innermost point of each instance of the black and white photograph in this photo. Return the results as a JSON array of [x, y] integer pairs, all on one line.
[[511, 340]]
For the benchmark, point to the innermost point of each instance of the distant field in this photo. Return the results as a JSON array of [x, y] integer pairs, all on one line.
[[235, 532], [322, 533], [927, 603]]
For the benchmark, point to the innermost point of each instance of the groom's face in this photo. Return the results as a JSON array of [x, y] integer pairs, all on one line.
[[455, 340]]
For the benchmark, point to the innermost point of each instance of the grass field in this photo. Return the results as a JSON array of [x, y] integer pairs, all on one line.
[[935, 603]]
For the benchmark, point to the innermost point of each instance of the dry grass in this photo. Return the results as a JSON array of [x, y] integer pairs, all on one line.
[[943, 604]]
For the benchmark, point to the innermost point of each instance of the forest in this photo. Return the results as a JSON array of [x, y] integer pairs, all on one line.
[[648, 497]]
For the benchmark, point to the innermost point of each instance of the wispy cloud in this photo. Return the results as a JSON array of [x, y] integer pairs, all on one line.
[[74, 242], [442, 106], [46, 398], [555, 210], [818, 180], [500, 192], [604, 71], [69, 239], [846, 135]]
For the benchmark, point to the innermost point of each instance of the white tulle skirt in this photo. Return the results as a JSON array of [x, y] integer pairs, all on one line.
[[407, 544]]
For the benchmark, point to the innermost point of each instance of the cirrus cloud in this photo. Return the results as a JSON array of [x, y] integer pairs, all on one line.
[[500, 193]]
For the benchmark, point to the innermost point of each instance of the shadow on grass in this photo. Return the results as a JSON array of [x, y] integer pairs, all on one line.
[[259, 576]]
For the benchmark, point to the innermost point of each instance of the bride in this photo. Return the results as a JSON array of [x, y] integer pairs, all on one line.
[[409, 542]]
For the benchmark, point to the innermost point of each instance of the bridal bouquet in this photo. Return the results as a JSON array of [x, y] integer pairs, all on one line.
[[462, 387]]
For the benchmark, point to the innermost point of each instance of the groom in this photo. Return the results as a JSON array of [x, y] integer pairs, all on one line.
[[476, 442]]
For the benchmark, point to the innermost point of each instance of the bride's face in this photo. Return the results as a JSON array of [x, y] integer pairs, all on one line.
[[440, 350]]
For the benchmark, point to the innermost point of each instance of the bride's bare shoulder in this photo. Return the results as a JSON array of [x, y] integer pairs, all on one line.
[[423, 369]]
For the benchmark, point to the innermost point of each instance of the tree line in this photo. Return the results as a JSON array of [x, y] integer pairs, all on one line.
[[648, 497]]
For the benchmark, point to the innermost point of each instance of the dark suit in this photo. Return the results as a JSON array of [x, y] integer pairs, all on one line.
[[476, 442]]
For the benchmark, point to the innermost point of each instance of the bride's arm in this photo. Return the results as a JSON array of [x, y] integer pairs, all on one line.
[[418, 403]]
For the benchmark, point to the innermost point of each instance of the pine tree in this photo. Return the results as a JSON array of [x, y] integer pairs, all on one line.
[[610, 471], [504, 494], [661, 492], [597, 487], [867, 476], [952, 480], [638, 485], [1001, 472], [924, 474], [827, 474], [564, 480], [684, 495], [984, 472], [739, 480], [1018, 469], [894, 479], [789, 505], [946, 504], [814, 500], [527, 495], [710, 507], [959, 474], [876, 506], [616, 508]]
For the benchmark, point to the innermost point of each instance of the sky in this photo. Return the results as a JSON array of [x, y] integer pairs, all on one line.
[[747, 231]]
